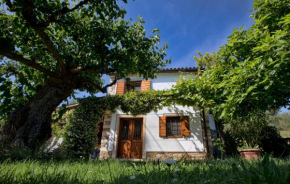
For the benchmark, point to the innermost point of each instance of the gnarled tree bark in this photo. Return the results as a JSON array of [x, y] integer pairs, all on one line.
[[30, 124]]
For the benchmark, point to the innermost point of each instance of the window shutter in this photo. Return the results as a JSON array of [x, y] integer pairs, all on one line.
[[145, 85], [162, 126], [185, 130], [120, 88]]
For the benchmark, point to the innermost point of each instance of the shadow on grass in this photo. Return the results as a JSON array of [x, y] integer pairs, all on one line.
[[265, 170]]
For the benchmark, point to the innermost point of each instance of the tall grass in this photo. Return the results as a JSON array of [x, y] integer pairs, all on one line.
[[264, 170]]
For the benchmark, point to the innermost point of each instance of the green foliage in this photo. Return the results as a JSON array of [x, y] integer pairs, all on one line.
[[272, 142], [265, 170], [264, 136], [81, 132], [15, 93], [59, 123], [231, 143], [137, 103], [15, 154], [74, 43], [219, 144], [249, 133], [250, 74]]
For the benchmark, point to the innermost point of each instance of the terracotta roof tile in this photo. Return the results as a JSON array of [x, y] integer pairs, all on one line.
[[182, 69]]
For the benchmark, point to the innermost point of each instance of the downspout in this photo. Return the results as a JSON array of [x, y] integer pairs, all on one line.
[[205, 132]]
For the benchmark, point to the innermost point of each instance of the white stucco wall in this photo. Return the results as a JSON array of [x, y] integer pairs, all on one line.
[[152, 141], [155, 143], [161, 82]]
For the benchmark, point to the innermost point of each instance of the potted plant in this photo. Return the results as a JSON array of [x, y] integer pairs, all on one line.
[[248, 133], [249, 152]]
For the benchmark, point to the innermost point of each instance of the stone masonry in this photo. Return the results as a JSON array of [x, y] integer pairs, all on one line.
[[175, 155], [104, 152]]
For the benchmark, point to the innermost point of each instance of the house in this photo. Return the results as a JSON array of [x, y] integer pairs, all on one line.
[[176, 131]]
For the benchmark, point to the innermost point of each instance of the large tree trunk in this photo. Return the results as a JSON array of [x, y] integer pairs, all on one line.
[[30, 125]]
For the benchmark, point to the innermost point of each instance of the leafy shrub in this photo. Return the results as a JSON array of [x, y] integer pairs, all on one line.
[[15, 154], [80, 135], [247, 134], [60, 122], [272, 142], [231, 145]]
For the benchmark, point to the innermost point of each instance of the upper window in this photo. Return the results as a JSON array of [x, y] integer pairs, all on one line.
[[133, 86], [123, 86], [173, 125]]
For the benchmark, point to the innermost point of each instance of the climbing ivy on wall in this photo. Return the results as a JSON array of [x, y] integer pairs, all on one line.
[[81, 132]]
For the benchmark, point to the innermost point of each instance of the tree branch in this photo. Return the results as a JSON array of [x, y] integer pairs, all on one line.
[[76, 69], [9, 4], [32, 21], [101, 89], [95, 85], [77, 6], [45, 38], [53, 16], [28, 62], [111, 84], [92, 70]]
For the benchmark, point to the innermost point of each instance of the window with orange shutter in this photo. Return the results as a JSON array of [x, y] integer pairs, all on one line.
[[120, 87], [123, 87], [174, 127], [145, 85]]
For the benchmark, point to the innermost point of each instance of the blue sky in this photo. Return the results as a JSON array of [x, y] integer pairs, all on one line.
[[189, 25]]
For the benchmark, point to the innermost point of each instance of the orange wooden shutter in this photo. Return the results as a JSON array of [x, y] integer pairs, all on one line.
[[185, 130], [120, 87], [162, 126], [145, 85]]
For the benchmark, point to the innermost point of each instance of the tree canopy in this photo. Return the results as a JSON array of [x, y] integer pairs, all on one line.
[[43, 40], [50, 48], [251, 72]]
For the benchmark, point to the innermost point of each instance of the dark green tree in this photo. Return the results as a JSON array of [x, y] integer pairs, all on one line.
[[51, 48]]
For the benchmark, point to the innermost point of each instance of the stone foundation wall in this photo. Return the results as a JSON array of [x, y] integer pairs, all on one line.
[[176, 155], [104, 153]]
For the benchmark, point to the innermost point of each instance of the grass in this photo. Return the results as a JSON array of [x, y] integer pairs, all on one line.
[[264, 170], [285, 134]]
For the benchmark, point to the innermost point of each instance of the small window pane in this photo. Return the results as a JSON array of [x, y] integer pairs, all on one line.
[[125, 130], [173, 126], [138, 88], [134, 86], [137, 130]]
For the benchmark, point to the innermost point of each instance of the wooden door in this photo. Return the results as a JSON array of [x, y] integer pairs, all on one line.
[[130, 138]]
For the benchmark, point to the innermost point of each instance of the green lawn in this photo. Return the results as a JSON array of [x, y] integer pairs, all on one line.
[[112, 171], [285, 134]]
